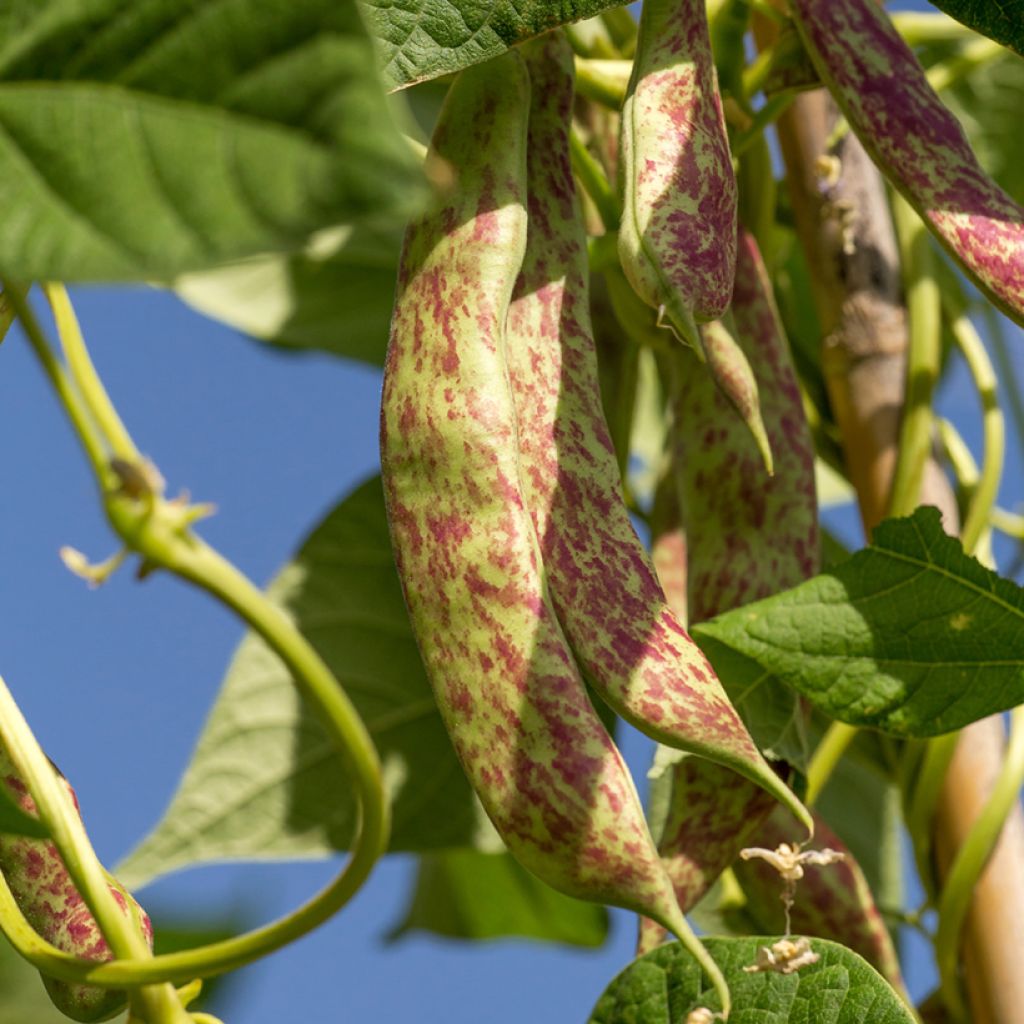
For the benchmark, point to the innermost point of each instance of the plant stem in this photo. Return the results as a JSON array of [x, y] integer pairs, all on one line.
[[594, 181], [158, 530], [159, 1004], [923, 358], [84, 426], [969, 863], [827, 755], [983, 499], [603, 81], [85, 377]]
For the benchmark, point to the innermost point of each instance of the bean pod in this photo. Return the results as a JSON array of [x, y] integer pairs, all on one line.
[[532, 745], [916, 142], [43, 889], [631, 647], [677, 242], [747, 537]]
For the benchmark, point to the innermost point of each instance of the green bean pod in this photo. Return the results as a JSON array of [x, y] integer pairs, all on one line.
[[747, 537], [677, 241], [44, 891], [532, 745], [629, 644]]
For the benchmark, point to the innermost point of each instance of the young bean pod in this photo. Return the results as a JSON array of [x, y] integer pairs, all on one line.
[[677, 242], [43, 889], [531, 743]]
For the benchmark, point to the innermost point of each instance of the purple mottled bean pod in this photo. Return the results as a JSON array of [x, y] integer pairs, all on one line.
[[630, 645], [747, 537], [53, 906], [916, 142], [532, 745], [677, 242]]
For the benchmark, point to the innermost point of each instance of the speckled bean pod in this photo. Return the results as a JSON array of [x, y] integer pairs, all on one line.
[[531, 743], [630, 645], [747, 537], [677, 242], [916, 142], [43, 889]]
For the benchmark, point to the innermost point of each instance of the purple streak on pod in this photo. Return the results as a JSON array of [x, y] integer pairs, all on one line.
[[630, 645], [916, 142], [678, 234], [748, 536], [532, 745]]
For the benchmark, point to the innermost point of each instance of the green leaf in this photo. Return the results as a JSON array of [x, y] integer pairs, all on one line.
[[666, 984], [910, 636], [466, 894], [421, 39], [264, 782], [336, 296], [187, 135], [1001, 20]]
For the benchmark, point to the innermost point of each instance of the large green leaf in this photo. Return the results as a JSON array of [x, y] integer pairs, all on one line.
[[421, 39], [187, 134], [666, 984], [1002, 20], [466, 894], [264, 781], [910, 636], [336, 296]]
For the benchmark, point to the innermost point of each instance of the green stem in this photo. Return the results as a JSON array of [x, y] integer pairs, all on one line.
[[158, 531], [827, 755], [84, 426], [928, 27], [158, 1004], [87, 381], [923, 358], [1009, 523], [924, 801], [603, 81], [765, 115], [970, 862], [947, 73], [983, 499], [621, 26], [595, 182]]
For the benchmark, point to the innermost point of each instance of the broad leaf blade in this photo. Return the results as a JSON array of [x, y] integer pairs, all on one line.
[[466, 894], [335, 297], [910, 636], [666, 984], [199, 134], [421, 39], [1001, 20], [264, 782]]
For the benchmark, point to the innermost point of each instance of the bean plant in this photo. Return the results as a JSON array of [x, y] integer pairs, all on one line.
[[648, 289]]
